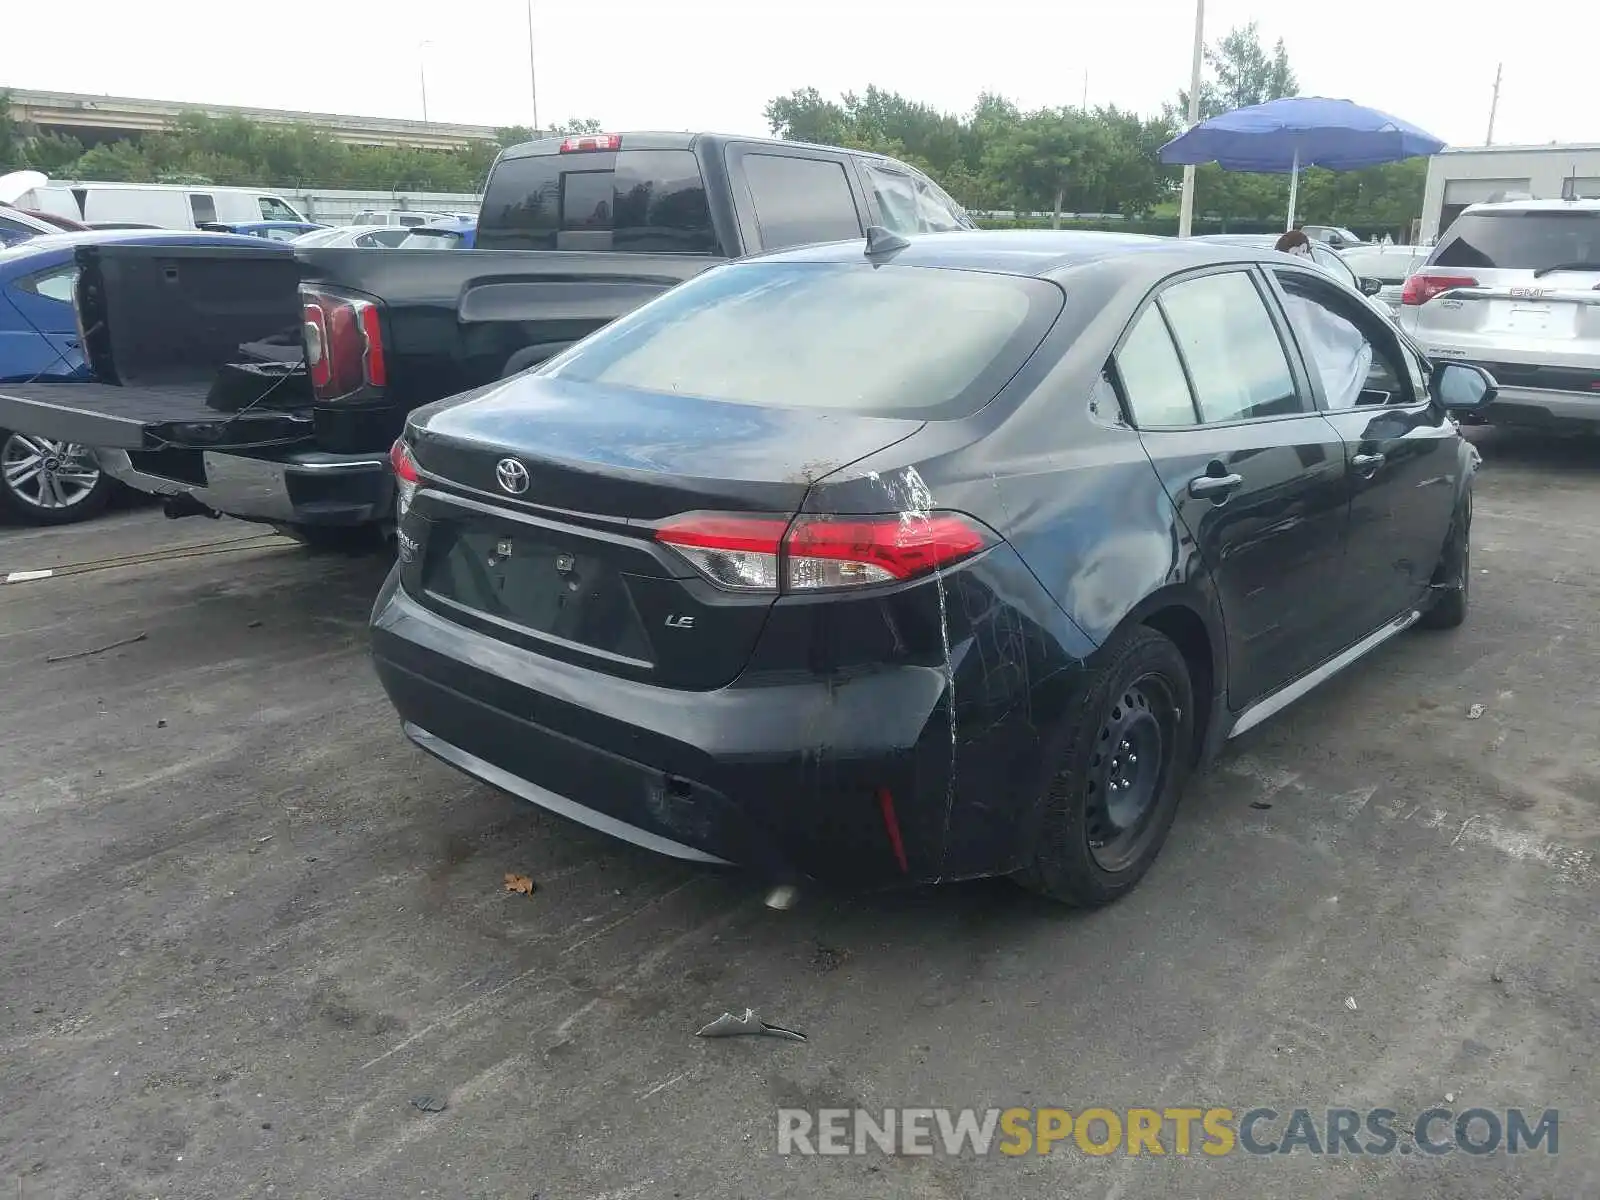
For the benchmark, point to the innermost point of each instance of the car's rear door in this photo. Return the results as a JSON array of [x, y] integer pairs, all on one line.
[[1258, 476], [1400, 447]]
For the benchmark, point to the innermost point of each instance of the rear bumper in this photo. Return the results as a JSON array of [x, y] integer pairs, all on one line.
[[785, 778], [1545, 408], [303, 487]]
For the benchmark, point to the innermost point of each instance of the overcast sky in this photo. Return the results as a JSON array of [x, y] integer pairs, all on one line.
[[713, 64]]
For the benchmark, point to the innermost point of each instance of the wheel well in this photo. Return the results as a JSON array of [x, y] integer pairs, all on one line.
[[1188, 632]]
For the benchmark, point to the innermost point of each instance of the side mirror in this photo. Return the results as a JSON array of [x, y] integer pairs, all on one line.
[[1463, 388], [1370, 286]]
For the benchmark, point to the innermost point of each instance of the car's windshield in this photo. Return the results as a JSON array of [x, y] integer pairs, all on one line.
[[892, 341], [1522, 239]]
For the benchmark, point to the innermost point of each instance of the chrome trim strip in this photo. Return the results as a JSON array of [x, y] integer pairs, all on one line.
[[1279, 700], [544, 798]]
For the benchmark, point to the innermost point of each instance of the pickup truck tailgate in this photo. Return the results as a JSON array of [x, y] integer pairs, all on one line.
[[142, 418], [191, 346]]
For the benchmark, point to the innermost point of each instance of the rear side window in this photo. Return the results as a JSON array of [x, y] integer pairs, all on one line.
[[1232, 349], [55, 284], [1526, 240], [644, 201], [885, 341], [799, 201], [202, 207], [1152, 376]]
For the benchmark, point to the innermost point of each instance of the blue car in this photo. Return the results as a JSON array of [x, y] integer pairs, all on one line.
[[450, 233], [46, 482], [273, 231]]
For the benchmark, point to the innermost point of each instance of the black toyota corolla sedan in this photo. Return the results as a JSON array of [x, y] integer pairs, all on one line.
[[922, 560]]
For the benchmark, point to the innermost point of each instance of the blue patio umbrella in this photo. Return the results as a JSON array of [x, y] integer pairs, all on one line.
[[1281, 136]]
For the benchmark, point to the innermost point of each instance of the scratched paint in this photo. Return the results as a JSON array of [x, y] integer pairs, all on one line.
[[913, 499]]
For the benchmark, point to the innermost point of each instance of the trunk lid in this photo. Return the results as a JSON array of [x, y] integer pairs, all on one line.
[[569, 566]]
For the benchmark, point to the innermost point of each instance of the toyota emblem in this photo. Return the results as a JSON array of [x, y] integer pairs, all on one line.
[[513, 476]]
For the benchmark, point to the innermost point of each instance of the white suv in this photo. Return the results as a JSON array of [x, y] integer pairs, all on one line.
[[1515, 287]]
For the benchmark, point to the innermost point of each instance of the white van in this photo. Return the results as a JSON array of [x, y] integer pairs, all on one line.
[[163, 205]]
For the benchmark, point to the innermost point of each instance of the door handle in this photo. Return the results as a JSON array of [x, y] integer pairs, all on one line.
[[1367, 464], [1214, 487]]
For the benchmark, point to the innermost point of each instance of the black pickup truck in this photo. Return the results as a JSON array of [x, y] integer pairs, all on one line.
[[269, 387]]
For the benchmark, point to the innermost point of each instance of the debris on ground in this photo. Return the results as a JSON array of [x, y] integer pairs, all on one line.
[[127, 641], [520, 883], [749, 1025], [1476, 711], [826, 958], [1261, 804], [428, 1104], [1350, 1003], [161, 724]]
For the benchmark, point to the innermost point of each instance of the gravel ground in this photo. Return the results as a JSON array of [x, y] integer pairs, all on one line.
[[246, 925]]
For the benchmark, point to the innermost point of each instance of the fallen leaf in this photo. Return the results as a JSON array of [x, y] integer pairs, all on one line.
[[519, 883]]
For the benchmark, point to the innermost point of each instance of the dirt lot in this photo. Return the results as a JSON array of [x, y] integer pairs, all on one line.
[[246, 925]]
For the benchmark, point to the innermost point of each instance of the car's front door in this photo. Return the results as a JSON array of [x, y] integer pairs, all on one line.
[[1256, 473], [1400, 447]]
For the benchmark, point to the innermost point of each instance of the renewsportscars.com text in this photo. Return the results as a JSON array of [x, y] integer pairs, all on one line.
[[1212, 1131]]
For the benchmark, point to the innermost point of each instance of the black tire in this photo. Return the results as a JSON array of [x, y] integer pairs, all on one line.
[[349, 540], [1454, 575], [1093, 847], [76, 490]]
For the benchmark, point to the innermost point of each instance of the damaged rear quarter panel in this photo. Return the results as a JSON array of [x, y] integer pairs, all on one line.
[[1092, 543]]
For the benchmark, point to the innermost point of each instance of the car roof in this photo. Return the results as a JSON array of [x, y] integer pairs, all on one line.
[[1587, 205], [47, 242], [666, 140], [1043, 252]]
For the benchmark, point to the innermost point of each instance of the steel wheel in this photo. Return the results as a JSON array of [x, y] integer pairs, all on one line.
[[50, 476], [1127, 771]]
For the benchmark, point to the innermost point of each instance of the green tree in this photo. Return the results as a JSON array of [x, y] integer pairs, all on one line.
[[11, 139], [115, 162], [1239, 72], [1049, 157], [804, 116]]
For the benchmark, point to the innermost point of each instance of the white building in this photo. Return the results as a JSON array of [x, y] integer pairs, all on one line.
[[1471, 175]]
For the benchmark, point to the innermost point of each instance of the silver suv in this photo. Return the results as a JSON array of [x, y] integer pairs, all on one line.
[[1512, 287]]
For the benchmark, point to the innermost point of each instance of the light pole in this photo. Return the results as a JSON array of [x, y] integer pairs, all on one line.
[[533, 78], [422, 76], [1186, 206]]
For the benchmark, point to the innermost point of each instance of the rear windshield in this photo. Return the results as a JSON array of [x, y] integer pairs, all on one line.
[[886, 341], [646, 201], [430, 239], [1528, 240], [1389, 268]]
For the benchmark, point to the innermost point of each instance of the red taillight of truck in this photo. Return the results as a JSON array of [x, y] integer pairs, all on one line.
[[343, 339]]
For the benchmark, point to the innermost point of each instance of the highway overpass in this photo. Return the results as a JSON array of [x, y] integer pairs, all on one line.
[[93, 119]]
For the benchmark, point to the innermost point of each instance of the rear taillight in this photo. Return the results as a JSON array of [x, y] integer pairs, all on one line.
[[592, 141], [343, 339], [406, 475], [813, 553], [1422, 287]]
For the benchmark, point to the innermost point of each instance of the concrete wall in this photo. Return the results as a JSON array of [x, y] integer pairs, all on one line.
[[332, 207], [1457, 178]]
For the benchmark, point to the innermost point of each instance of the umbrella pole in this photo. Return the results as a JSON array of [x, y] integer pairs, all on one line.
[[1294, 186]]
